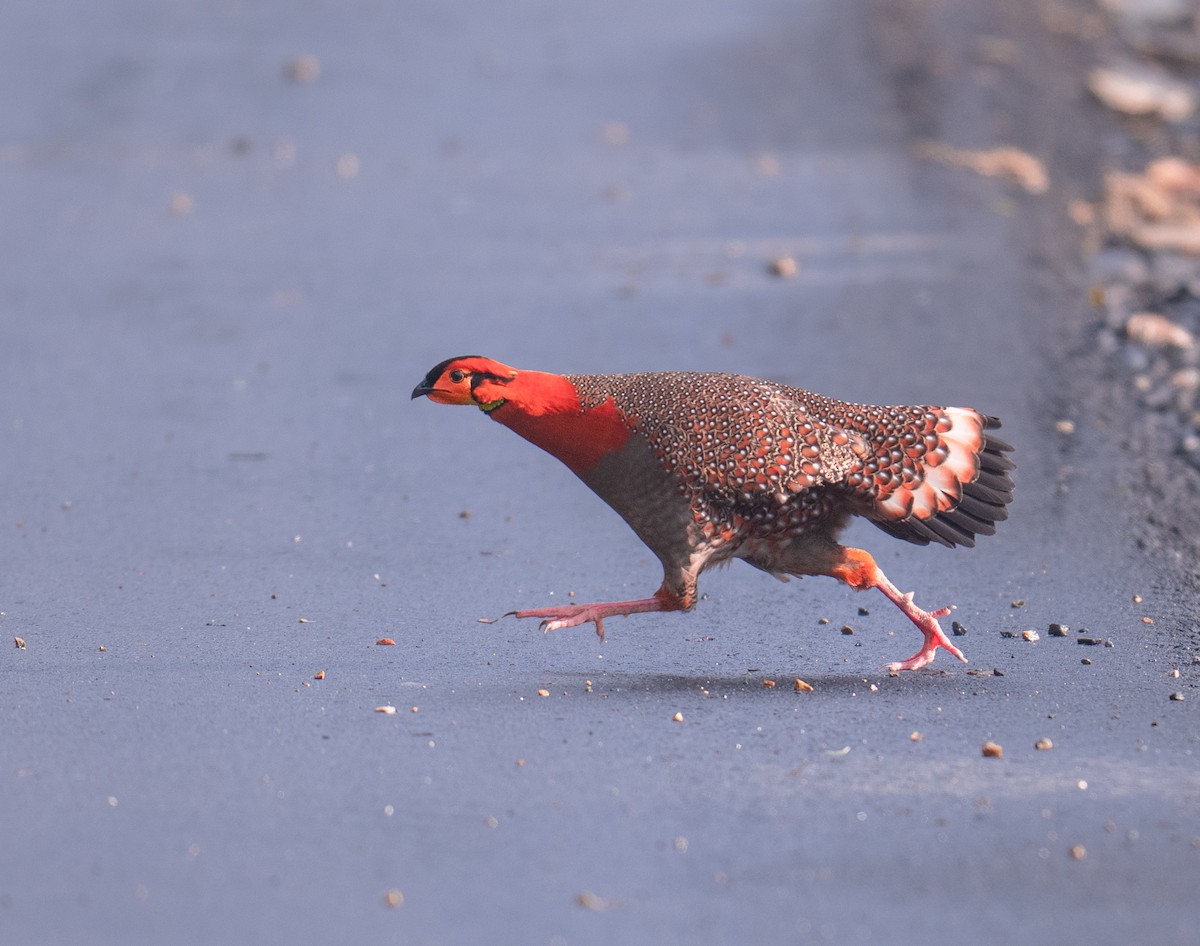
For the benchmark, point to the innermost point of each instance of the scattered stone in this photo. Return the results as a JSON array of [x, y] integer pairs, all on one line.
[[678, 718], [303, 69], [863, 612], [1019, 603], [1177, 697], [801, 687], [957, 629], [590, 901], [847, 629], [19, 642], [992, 750], [1058, 630], [1089, 641], [1031, 635], [1086, 661], [769, 684], [1042, 745], [393, 899], [1077, 852], [784, 267]]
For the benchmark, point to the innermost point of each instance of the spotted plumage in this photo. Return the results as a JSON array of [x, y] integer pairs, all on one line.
[[706, 467]]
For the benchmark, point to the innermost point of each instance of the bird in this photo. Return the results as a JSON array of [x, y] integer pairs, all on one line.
[[709, 467]]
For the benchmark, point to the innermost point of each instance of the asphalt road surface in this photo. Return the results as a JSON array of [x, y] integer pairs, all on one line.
[[223, 267]]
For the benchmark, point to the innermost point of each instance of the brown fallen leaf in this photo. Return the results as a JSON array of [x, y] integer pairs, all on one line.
[[1005, 162], [1157, 331]]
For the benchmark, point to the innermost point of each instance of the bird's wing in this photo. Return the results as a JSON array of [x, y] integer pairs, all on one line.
[[740, 441], [929, 474]]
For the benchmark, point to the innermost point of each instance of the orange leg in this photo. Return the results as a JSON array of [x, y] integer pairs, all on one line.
[[572, 615], [858, 569]]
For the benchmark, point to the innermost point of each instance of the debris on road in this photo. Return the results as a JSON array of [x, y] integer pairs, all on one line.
[[1009, 163]]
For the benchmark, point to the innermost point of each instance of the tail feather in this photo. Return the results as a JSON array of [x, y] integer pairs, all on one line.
[[958, 490]]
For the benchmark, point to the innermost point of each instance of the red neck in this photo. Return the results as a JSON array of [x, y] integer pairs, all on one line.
[[545, 410]]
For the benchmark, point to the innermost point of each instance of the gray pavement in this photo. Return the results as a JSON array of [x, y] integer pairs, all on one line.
[[218, 285]]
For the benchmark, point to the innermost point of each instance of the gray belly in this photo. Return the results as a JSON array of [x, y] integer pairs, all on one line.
[[633, 483]]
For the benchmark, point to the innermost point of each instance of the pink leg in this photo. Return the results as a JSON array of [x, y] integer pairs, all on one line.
[[572, 615], [926, 621], [858, 569]]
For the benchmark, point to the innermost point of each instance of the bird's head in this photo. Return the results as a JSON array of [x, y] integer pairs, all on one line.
[[468, 379], [543, 408]]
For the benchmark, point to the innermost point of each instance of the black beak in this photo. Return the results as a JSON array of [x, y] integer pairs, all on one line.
[[422, 389]]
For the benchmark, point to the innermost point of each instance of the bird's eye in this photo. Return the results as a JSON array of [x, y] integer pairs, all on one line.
[[457, 375]]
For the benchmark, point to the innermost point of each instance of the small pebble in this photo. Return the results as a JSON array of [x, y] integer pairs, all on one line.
[[303, 69], [1031, 635], [1177, 697], [992, 750], [784, 267], [678, 717], [864, 611], [1019, 603], [394, 899], [1089, 641], [958, 629], [1086, 661], [801, 687], [1058, 630], [1078, 852], [1043, 744], [847, 629]]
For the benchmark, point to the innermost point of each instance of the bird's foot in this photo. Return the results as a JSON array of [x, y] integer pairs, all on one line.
[[926, 622], [572, 615], [935, 637]]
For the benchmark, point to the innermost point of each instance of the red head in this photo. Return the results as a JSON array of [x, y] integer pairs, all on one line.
[[468, 379], [543, 408]]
